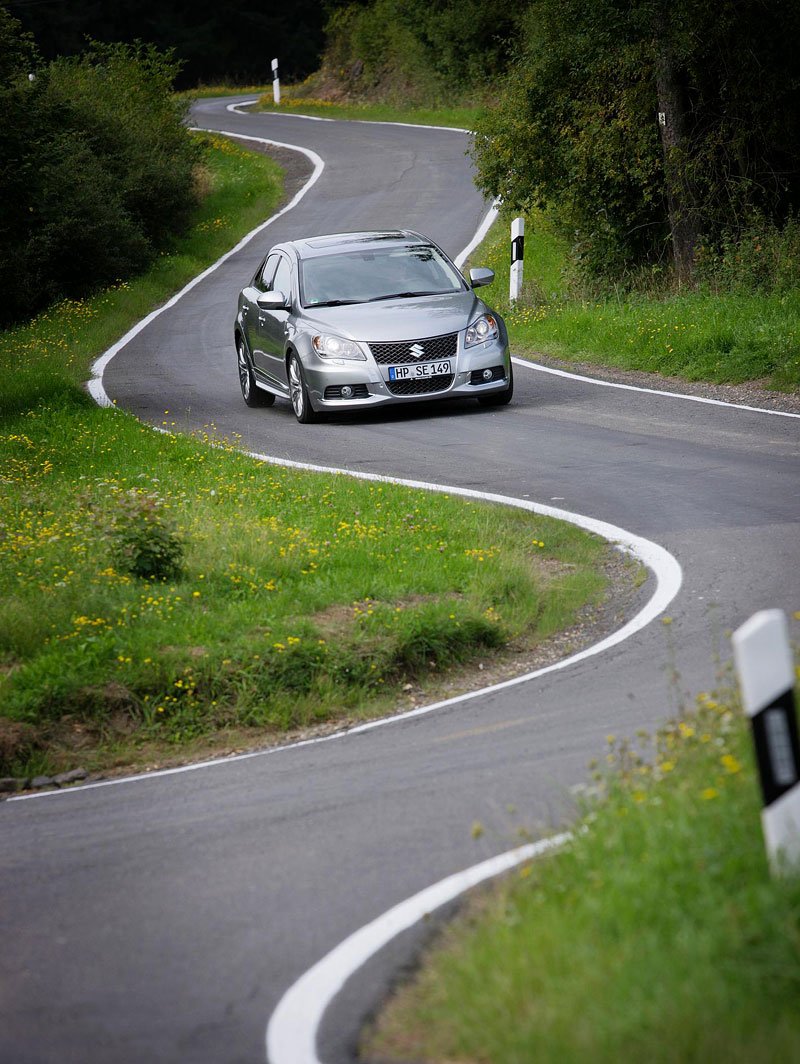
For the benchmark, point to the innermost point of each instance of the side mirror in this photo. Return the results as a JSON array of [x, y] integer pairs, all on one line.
[[480, 276], [272, 301]]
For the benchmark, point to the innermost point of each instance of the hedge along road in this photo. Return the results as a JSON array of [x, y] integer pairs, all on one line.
[[163, 919]]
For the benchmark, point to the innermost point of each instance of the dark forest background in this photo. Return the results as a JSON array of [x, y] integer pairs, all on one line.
[[232, 42]]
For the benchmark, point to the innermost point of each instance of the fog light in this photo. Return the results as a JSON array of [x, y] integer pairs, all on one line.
[[347, 391], [487, 374]]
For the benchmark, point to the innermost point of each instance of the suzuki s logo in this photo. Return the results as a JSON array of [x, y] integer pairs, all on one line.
[[417, 350]]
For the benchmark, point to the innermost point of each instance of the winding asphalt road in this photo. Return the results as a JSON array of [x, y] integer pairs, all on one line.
[[161, 919]]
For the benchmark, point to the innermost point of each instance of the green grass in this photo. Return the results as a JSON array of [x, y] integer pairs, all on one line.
[[657, 935], [699, 336], [205, 92], [459, 117], [300, 598]]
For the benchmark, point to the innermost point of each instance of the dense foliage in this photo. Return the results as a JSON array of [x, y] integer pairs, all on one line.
[[96, 173], [577, 126], [419, 49]]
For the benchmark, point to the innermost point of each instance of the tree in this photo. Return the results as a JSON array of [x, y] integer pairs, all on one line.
[[96, 169], [578, 127], [214, 42], [674, 118]]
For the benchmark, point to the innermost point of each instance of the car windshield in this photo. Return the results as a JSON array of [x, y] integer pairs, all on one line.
[[382, 273]]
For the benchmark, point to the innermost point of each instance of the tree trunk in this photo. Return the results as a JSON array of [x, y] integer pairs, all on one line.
[[673, 121]]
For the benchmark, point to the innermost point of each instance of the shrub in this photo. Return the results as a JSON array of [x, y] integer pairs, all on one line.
[[96, 174], [763, 257], [145, 542], [417, 51]]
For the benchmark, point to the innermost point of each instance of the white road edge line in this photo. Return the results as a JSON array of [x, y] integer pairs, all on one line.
[[95, 385], [648, 391], [234, 109], [292, 1032], [666, 568], [483, 229], [663, 565]]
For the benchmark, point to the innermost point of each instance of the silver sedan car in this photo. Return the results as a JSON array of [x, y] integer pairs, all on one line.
[[359, 320]]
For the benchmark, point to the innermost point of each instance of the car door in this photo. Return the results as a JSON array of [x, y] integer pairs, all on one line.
[[270, 362], [250, 310]]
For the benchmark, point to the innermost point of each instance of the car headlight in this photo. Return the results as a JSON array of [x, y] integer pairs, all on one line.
[[337, 347], [483, 328]]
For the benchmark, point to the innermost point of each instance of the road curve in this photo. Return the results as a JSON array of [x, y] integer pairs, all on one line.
[[163, 919]]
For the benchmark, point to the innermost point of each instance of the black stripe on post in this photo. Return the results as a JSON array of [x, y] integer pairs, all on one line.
[[775, 736], [517, 249]]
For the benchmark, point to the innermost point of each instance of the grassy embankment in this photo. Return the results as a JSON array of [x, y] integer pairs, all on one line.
[[657, 934], [287, 598], [293, 102], [722, 337]]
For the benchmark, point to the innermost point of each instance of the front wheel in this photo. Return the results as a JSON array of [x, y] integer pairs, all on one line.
[[298, 393], [499, 398], [251, 393]]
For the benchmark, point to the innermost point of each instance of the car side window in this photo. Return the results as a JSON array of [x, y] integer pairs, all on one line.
[[264, 281], [282, 282]]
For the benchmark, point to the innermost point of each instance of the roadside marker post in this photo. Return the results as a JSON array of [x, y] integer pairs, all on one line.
[[276, 83], [517, 257], [764, 663]]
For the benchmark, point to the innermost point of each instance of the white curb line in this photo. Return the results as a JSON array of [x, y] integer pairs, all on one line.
[[234, 108], [95, 385], [292, 1031], [648, 391]]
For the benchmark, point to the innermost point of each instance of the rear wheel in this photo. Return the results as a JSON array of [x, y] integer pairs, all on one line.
[[298, 393], [499, 398], [251, 393]]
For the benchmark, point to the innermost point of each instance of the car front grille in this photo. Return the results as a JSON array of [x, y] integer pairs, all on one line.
[[421, 385], [434, 348]]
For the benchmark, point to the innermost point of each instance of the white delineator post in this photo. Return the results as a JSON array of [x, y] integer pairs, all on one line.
[[517, 257], [276, 83], [764, 663]]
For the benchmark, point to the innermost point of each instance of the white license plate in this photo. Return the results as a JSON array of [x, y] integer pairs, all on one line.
[[426, 369]]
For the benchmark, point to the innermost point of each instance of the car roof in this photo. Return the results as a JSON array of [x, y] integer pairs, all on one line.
[[317, 246]]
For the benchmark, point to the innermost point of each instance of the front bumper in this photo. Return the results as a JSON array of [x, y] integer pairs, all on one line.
[[370, 385]]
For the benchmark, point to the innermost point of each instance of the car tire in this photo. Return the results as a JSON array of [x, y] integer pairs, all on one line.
[[500, 398], [298, 392], [251, 393]]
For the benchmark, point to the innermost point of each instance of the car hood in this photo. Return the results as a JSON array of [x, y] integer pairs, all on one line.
[[413, 318]]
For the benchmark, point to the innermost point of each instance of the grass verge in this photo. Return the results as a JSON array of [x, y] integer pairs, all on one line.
[[157, 593], [656, 935], [458, 117], [724, 338], [300, 596]]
